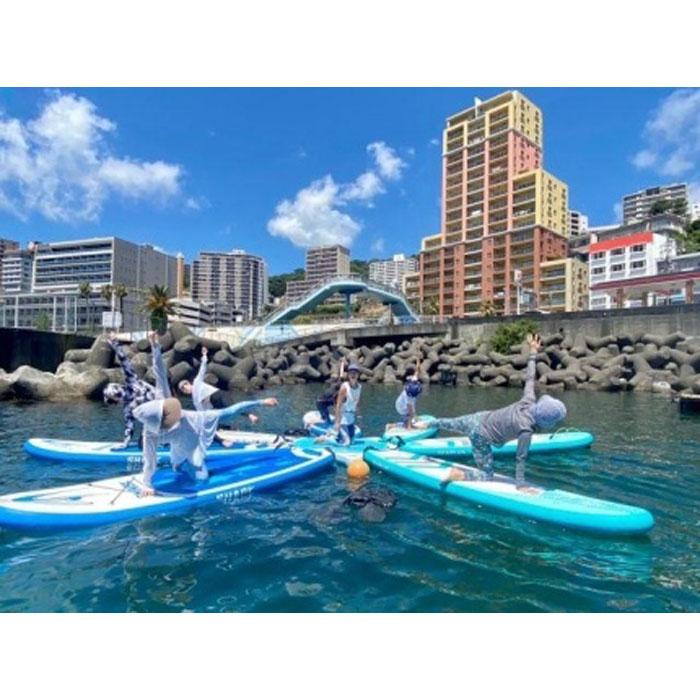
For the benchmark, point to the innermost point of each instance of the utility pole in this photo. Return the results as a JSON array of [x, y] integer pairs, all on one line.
[[518, 279]]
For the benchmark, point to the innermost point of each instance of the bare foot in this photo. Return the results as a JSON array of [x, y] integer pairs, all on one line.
[[531, 490], [147, 491], [455, 475], [227, 443]]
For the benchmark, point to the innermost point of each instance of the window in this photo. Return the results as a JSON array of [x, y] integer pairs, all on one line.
[[618, 268], [598, 270], [638, 248], [639, 264], [598, 256], [617, 251]]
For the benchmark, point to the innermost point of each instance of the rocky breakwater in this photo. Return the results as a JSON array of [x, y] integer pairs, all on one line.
[[639, 362]]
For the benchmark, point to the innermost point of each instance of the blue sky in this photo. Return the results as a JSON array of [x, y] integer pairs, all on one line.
[[199, 169]]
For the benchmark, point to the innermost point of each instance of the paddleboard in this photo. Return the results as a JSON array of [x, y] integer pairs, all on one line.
[[117, 499], [462, 446], [243, 449], [319, 429], [547, 505], [452, 448]]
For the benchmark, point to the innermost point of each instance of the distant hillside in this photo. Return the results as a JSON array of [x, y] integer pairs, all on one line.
[[278, 283]]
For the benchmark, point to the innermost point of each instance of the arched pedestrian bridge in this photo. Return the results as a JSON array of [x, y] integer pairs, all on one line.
[[346, 285]]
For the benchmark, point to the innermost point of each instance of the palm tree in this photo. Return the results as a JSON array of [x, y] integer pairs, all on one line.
[[431, 306], [84, 290], [487, 308], [120, 291], [159, 305]]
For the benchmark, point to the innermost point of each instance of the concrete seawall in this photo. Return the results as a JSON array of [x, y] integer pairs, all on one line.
[[657, 320], [40, 349]]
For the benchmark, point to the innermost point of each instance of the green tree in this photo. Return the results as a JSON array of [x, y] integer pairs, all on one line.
[[677, 206], [277, 284], [42, 322], [431, 306], [158, 305], [121, 291], [514, 333], [487, 308], [85, 290]]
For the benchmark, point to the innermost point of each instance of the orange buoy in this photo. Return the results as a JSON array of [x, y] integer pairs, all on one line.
[[358, 469]]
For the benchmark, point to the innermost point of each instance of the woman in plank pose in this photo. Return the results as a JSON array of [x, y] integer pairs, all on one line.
[[517, 421], [187, 433]]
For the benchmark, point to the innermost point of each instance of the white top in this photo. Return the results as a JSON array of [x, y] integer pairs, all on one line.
[[404, 403], [352, 398]]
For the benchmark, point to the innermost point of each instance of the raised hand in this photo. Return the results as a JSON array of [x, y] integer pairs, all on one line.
[[253, 418], [205, 352], [152, 337], [534, 342]]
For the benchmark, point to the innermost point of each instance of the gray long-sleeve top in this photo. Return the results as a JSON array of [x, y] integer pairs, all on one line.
[[514, 421]]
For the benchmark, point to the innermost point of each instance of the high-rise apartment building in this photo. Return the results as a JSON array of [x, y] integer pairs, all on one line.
[[637, 206], [392, 272], [237, 278], [326, 261], [578, 223], [322, 263], [16, 272], [6, 247], [501, 212], [563, 285], [695, 211]]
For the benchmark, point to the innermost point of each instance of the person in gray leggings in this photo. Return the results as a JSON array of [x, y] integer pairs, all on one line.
[[518, 421]]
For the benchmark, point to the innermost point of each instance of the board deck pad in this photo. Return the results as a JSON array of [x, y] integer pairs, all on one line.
[[246, 445], [502, 493], [121, 498]]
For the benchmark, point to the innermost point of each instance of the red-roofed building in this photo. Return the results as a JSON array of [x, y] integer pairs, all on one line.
[[624, 270]]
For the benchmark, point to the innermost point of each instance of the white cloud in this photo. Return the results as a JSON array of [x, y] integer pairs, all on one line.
[[388, 163], [312, 219], [378, 245], [672, 135], [197, 203], [434, 142], [365, 188], [644, 159], [59, 165], [315, 216]]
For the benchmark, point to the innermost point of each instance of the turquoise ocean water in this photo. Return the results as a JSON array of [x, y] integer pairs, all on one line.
[[299, 549]]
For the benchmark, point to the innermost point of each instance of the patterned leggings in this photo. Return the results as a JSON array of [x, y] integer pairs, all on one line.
[[481, 448]]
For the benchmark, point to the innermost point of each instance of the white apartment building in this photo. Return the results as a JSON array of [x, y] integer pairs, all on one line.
[[637, 205], [578, 223], [16, 272], [392, 272], [198, 314], [623, 258]]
